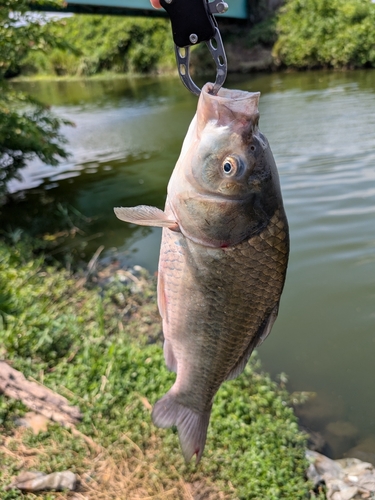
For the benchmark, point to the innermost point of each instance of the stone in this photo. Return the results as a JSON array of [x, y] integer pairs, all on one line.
[[324, 465], [367, 481], [340, 436], [343, 493], [354, 466], [364, 450], [38, 481], [315, 440], [313, 475], [345, 479]]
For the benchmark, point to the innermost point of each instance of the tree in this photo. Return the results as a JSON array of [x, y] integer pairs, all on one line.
[[27, 127], [334, 33]]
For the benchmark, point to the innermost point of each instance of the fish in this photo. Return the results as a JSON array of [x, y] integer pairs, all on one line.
[[223, 257]]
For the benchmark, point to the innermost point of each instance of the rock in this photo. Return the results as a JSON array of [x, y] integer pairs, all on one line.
[[314, 476], [340, 436], [38, 481], [324, 465], [139, 272], [315, 441], [364, 450], [354, 466], [338, 490], [37, 397], [367, 481], [345, 479]]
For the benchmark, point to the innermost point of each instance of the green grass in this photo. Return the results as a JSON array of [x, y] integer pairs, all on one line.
[[100, 349]]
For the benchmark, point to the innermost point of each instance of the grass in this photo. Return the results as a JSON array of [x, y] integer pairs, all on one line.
[[98, 344], [105, 75]]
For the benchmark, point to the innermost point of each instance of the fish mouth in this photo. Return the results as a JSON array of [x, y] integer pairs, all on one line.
[[237, 108], [229, 94]]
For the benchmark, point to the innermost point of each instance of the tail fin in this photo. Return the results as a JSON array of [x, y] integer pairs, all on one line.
[[191, 425]]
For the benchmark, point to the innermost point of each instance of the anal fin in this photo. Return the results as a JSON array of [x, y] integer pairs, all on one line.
[[256, 341]]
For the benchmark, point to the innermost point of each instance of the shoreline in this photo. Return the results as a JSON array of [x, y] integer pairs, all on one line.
[[242, 61], [104, 354], [132, 296]]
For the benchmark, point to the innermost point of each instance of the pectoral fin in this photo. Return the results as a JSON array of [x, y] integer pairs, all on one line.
[[144, 215]]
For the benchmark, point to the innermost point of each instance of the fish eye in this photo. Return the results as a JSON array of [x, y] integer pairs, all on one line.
[[229, 166]]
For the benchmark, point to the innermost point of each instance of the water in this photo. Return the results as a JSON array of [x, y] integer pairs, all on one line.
[[321, 127]]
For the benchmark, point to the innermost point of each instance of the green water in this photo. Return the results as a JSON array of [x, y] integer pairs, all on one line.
[[321, 127]]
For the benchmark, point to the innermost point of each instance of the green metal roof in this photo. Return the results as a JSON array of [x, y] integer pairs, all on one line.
[[237, 8]]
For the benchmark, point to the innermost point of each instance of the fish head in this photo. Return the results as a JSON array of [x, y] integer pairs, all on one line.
[[225, 184]]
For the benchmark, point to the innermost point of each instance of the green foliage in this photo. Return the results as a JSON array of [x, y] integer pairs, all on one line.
[[72, 335], [35, 131], [27, 128], [106, 43], [22, 33], [263, 33], [315, 33]]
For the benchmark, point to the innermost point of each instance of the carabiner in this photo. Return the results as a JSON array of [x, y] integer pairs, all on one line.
[[193, 22]]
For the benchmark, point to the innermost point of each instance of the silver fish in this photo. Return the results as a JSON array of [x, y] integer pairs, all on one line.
[[223, 257]]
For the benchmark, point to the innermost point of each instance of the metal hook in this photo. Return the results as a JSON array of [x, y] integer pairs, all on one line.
[[193, 22], [218, 55]]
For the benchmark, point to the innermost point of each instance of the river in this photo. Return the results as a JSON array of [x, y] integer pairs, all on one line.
[[321, 127]]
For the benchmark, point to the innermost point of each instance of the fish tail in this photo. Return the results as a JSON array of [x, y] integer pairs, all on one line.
[[191, 425]]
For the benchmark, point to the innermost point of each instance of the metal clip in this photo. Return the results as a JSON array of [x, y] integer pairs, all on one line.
[[193, 22]]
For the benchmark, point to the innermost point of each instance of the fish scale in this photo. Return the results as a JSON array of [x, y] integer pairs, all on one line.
[[221, 332], [223, 258]]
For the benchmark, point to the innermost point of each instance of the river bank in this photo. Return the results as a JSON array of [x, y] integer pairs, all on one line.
[[274, 37], [95, 337], [241, 60]]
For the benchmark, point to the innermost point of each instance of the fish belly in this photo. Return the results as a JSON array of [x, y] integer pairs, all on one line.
[[216, 304]]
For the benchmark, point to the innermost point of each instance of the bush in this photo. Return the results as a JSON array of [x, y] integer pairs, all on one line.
[[317, 33], [105, 43]]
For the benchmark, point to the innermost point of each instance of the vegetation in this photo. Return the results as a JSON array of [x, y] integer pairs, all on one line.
[[100, 349], [105, 43], [27, 128], [316, 33], [308, 34]]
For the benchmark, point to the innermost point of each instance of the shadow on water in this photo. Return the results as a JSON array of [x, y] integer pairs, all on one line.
[[321, 127]]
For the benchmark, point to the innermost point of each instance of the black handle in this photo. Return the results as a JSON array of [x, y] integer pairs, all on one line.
[[191, 21]]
